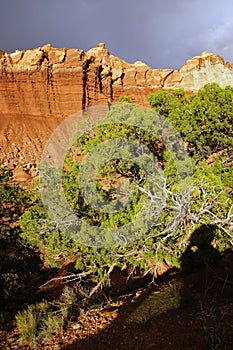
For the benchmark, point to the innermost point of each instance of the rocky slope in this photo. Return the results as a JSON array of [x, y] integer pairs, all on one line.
[[40, 87]]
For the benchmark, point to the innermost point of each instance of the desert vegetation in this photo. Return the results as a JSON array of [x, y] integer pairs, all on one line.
[[194, 226]]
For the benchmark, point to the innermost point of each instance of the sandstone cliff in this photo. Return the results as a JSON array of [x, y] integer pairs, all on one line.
[[40, 87]]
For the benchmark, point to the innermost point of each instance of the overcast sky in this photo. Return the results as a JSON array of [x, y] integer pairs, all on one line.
[[161, 33]]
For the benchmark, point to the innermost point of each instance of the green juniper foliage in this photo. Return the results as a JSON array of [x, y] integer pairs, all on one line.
[[204, 121], [20, 266]]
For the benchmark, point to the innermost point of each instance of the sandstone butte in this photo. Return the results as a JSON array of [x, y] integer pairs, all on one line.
[[40, 87]]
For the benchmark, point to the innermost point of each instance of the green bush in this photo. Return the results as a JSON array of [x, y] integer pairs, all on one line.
[[124, 98], [20, 265], [204, 119], [212, 188]]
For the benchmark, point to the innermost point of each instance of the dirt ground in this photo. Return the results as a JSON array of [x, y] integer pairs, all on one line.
[[189, 310]]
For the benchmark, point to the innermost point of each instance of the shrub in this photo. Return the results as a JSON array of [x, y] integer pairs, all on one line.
[[20, 265], [124, 98]]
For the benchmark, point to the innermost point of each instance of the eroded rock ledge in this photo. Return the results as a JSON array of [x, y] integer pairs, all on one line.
[[40, 87], [57, 81]]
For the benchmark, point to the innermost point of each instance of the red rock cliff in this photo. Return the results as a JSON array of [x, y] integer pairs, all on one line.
[[39, 87]]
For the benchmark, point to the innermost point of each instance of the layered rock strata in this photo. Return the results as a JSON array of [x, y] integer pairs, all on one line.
[[40, 87]]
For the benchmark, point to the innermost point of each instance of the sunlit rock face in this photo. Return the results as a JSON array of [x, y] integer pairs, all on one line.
[[40, 87]]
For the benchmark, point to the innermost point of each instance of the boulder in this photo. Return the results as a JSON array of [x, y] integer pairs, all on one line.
[[20, 175]]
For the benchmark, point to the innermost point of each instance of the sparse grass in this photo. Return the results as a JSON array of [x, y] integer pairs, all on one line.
[[27, 324], [68, 297], [43, 321], [51, 326]]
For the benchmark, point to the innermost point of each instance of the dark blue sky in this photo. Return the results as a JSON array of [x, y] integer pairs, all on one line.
[[161, 33]]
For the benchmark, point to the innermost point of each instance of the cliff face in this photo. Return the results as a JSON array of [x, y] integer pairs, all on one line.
[[40, 87], [58, 82]]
